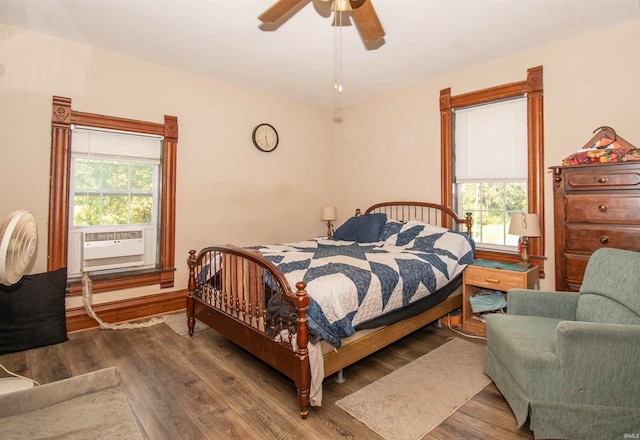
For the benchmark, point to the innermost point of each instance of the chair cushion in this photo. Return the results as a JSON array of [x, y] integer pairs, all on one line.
[[610, 290], [525, 345], [605, 310]]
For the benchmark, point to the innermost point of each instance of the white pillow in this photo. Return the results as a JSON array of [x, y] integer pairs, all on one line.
[[413, 229]]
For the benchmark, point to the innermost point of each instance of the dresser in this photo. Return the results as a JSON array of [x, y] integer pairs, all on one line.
[[595, 206]]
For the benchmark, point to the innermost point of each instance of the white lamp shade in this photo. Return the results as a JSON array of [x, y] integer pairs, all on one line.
[[524, 225], [328, 213]]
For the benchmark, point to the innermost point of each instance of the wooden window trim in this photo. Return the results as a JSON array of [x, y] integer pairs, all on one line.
[[532, 88], [62, 118]]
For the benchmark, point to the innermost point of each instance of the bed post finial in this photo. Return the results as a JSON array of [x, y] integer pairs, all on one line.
[[191, 262], [467, 217]]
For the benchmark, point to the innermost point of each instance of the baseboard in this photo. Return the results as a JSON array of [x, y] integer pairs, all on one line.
[[126, 310]]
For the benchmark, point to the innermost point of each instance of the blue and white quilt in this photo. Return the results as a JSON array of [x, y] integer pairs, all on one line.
[[351, 283]]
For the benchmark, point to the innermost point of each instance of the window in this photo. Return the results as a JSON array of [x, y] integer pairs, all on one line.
[[113, 201], [490, 168], [112, 179], [493, 191]]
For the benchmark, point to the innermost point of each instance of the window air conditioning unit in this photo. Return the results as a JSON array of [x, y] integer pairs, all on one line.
[[112, 250]]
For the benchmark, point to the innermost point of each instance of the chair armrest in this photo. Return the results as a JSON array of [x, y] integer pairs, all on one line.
[[544, 303], [601, 360]]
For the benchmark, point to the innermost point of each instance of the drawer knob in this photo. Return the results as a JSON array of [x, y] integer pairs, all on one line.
[[602, 207], [602, 180], [492, 280], [604, 239]]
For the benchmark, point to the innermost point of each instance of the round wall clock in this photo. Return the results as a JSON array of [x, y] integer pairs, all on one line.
[[265, 137]]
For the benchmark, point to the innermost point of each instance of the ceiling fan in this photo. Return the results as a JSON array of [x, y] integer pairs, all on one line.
[[364, 16]]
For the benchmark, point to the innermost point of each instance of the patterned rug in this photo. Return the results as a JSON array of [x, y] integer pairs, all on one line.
[[410, 402]]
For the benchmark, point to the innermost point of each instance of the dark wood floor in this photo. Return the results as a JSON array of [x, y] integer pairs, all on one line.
[[204, 387]]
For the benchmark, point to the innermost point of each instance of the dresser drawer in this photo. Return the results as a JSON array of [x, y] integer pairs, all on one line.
[[602, 179], [601, 208], [496, 279], [575, 266], [588, 238]]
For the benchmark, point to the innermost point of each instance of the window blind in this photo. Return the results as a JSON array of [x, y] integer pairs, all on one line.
[[490, 142], [116, 144]]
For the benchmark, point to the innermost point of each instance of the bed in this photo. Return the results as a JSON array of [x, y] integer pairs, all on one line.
[[311, 308]]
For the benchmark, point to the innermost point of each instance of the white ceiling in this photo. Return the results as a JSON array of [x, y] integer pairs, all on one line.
[[223, 38]]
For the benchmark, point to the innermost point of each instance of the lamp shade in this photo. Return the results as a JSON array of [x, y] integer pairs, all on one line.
[[328, 213], [524, 225]]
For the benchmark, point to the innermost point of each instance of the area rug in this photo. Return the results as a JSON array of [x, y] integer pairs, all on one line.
[[410, 402], [178, 323]]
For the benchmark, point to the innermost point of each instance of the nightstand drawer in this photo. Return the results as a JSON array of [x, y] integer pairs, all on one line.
[[496, 279]]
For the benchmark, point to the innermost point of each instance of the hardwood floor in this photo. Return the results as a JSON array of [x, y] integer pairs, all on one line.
[[204, 387]]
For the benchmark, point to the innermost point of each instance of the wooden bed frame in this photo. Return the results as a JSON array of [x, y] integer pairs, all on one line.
[[232, 302]]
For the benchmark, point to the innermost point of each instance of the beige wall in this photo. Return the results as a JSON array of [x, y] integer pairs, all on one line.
[[389, 147], [228, 192]]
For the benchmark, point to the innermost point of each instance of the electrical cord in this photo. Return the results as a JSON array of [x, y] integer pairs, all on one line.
[[19, 376], [461, 333], [87, 299]]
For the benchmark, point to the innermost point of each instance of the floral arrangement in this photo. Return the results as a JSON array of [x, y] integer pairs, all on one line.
[[604, 150]]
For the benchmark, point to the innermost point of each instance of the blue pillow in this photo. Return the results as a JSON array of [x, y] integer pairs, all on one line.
[[362, 229]]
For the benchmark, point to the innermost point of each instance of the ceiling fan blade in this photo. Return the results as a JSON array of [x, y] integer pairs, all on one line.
[[366, 20], [278, 10]]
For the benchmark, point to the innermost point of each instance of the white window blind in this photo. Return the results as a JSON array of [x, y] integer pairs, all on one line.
[[116, 144], [491, 142]]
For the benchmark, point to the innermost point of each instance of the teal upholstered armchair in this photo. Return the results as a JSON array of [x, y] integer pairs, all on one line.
[[571, 362]]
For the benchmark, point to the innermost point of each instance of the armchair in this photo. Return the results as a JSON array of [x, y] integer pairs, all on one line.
[[571, 361]]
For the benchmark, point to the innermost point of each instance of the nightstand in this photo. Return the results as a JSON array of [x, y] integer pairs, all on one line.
[[503, 277]]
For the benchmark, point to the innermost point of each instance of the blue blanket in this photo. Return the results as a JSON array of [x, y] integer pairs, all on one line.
[[351, 283]]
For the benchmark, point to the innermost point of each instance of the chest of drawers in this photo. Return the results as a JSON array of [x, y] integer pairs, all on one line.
[[594, 206]]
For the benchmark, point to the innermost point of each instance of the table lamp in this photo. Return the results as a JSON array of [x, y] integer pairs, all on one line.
[[328, 214], [524, 225]]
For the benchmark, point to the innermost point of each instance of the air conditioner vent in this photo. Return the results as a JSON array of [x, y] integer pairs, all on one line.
[[112, 249], [112, 235]]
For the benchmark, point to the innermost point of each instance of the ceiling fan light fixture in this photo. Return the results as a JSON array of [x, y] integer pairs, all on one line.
[[341, 6]]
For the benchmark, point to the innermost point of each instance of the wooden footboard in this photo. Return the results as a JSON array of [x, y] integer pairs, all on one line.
[[247, 299]]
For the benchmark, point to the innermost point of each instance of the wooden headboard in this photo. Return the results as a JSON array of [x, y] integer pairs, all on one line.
[[431, 213]]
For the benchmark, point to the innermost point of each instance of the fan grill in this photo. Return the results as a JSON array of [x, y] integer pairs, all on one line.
[[18, 240]]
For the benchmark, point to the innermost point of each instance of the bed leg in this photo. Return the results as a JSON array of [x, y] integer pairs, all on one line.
[[191, 321], [340, 377]]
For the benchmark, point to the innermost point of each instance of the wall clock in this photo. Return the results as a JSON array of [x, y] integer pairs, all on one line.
[[265, 137]]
